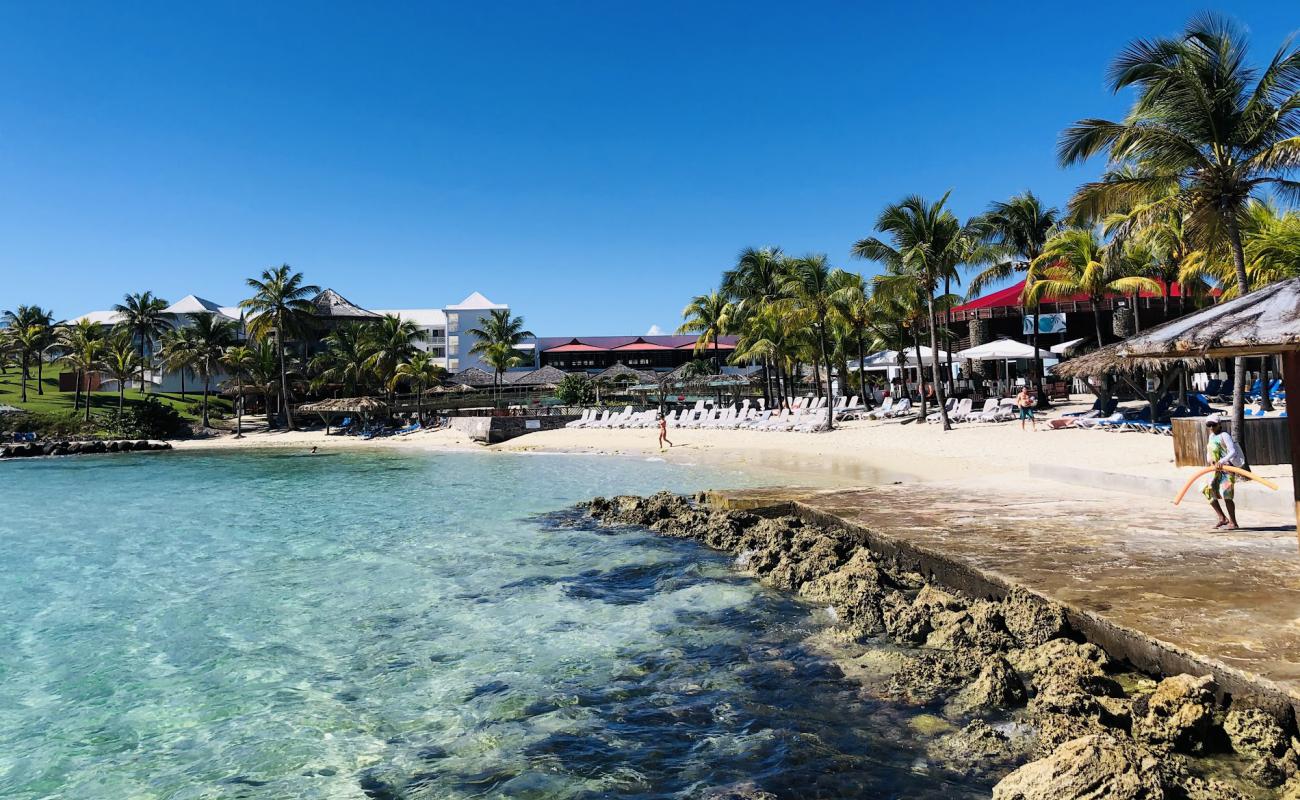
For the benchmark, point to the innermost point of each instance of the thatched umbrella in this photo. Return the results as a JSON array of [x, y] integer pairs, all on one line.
[[361, 406], [1106, 362], [1263, 322]]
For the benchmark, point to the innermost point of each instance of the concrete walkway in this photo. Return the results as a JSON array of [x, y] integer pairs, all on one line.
[[1150, 582]]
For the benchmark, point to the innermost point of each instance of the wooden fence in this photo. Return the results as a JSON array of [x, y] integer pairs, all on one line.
[[1266, 442]]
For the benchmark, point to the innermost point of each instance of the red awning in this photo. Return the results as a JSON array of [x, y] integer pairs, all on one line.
[[576, 348], [1010, 297]]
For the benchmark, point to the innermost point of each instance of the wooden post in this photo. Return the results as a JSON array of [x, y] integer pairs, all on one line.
[[1291, 366]]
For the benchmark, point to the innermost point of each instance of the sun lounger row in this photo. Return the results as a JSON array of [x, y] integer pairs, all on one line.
[[748, 416]]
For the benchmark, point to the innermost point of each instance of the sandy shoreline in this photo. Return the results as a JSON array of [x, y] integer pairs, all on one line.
[[857, 453]]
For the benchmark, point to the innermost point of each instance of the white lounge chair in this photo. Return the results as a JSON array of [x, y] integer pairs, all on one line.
[[962, 412], [587, 414], [901, 408], [950, 405], [883, 410]]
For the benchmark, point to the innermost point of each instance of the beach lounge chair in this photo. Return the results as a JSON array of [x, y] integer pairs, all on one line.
[[586, 417], [756, 421], [409, 429], [883, 410], [1001, 411], [901, 409], [950, 405], [961, 412]]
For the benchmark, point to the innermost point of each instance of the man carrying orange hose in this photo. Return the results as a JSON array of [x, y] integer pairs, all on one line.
[[1221, 451]]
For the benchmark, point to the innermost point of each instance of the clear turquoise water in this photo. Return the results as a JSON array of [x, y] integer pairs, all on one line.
[[258, 625]]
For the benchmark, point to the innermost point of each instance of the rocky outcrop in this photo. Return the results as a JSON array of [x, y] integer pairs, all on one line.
[[67, 448], [1178, 714], [1097, 766], [1010, 661]]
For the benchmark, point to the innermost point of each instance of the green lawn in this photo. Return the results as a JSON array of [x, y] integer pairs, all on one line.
[[101, 402]]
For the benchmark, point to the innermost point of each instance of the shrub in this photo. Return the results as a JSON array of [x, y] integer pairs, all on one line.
[[575, 390], [147, 419], [46, 424]]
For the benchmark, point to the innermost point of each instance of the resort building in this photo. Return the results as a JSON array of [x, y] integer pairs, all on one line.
[[647, 353]]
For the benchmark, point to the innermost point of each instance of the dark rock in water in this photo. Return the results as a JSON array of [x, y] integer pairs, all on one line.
[[931, 676], [377, 789], [977, 750], [432, 753], [1098, 767], [495, 687], [1178, 714], [745, 791], [996, 686], [1255, 732], [1031, 620], [854, 591]]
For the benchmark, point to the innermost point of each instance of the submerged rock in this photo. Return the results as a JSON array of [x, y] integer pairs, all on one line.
[[1178, 714], [1099, 766]]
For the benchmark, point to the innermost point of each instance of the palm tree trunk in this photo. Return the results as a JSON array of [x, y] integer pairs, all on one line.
[[920, 368], [239, 408], [947, 332], [1096, 321], [284, 380], [934, 365], [76, 398], [40, 374], [1239, 363], [862, 372], [830, 392], [87, 401], [182, 383], [206, 378], [121, 395], [23, 379]]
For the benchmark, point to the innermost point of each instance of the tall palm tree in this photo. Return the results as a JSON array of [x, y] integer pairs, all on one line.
[[1016, 231], [498, 343], [421, 370], [809, 287], [1206, 120], [393, 341], [280, 305], [1076, 261], [709, 316], [240, 361], [83, 340], [178, 352], [121, 360], [928, 244], [32, 333], [851, 304], [142, 315], [212, 335]]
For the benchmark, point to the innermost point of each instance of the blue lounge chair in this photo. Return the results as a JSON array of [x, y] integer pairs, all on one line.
[[412, 428]]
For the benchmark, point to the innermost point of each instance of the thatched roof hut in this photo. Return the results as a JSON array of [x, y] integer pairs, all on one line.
[[449, 388], [345, 405], [1265, 321], [1106, 360], [472, 376], [622, 372], [332, 305], [546, 376]]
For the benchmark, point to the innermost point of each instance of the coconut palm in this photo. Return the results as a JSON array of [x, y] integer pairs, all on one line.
[[26, 340], [1016, 230], [178, 352], [83, 341], [851, 305], [121, 359], [240, 361], [212, 335], [1206, 120], [499, 338], [764, 336], [142, 315], [1077, 261], [392, 341], [928, 244], [708, 316], [343, 360], [809, 287], [31, 334], [281, 305], [421, 370]]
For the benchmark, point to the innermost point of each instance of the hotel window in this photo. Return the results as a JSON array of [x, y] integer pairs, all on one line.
[[453, 322], [437, 333], [453, 344], [453, 364], [438, 352]]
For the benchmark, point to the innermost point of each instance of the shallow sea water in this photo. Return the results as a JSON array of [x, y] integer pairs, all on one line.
[[376, 625]]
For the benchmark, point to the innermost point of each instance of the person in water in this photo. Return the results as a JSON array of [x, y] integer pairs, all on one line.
[[1221, 451], [313, 450], [663, 432], [1025, 403]]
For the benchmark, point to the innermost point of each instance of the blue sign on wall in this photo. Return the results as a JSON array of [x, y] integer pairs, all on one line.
[[1047, 323]]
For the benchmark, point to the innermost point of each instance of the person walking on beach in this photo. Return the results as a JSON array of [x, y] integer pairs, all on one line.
[[1221, 451], [1026, 405], [663, 432]]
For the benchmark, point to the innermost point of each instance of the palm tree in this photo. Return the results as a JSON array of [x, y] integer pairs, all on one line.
[[809, 287], [498, 343], [343, 361], [264, 373], [851, 304], [928, 244], [1076, 261], [212, 335], [121, 360], [1205, 120], [709, 316], [1016, 231], [392, 342], [84, 341], [142, 315], [280, 305], [422, 370], [32, 333], [752, 286], [240, 360], [178, 352]]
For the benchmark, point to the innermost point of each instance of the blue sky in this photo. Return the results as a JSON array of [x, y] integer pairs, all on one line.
[[592, 164]]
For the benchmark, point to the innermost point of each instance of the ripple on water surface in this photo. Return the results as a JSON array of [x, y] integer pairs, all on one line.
[[402, 626]]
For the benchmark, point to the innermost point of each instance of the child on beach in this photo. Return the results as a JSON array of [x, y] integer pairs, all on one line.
[[663, 432]]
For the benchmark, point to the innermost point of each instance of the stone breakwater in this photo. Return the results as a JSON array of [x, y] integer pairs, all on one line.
[[1019, 697], [65, 448]]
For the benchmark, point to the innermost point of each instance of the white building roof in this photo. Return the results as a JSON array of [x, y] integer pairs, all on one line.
[[424, 317], [192, 304], [100, 317], [475, 302]]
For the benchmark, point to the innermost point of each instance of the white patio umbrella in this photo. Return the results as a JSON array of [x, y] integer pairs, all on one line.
[[1004, 350]]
